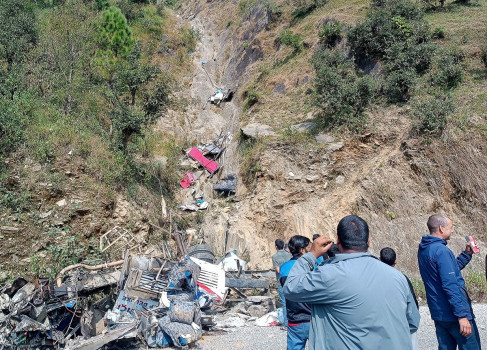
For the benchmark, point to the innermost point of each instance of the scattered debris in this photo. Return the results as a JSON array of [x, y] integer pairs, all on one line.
[[227, 185], [199, 205], [116, 239], [9, 229], [231, 262], [270, 319], [219, 96], [61, 203], [208, 164], [140, 298], [189, 178]]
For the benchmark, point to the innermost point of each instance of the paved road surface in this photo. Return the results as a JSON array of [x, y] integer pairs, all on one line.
[[272, 338]]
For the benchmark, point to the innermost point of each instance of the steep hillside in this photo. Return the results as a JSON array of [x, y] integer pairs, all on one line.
[[303, 182], [394, 161]]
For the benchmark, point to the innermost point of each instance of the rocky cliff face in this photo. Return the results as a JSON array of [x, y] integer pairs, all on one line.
[[386, 175]]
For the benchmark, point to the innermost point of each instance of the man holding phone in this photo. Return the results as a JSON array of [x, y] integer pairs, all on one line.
[[357, 301], [447, 296]]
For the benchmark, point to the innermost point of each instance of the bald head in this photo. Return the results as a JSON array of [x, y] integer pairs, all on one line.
[[436, 221]]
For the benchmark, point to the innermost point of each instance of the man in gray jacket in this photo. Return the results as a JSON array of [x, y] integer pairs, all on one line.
[[357, 301]]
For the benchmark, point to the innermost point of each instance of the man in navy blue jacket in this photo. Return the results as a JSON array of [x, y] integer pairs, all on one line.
[[446, 293]]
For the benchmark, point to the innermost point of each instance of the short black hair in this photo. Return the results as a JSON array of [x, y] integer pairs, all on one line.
[[353, 233], [333, 250], [435, 221], [296, 243], [279, 243], [388, 256], [316, 235]]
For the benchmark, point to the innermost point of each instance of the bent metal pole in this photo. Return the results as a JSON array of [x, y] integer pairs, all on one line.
[[87, 267]]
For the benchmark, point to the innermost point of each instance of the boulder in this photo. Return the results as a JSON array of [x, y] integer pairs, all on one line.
[[255, 130], [304, 127], [256, 310], [280, 88], [324, 138]]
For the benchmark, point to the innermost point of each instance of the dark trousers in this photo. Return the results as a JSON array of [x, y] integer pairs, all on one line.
[[448, 335]]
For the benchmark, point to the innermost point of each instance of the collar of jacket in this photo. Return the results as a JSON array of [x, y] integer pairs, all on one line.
[[347, 256], [430, 239]]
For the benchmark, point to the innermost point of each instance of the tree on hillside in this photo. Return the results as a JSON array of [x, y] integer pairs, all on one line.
[[129, 115], [114, 35], [64, 53], [126, 76], [135, 102], [340, 93], [134, 73], [114, 42], [18, 34], [18, 31], [395, 33]]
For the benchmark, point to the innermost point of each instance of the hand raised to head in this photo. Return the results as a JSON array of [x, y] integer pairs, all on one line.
[[320, 246]]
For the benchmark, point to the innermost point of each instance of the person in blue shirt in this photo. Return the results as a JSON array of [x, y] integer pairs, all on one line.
[[447, 296], [298, 313]]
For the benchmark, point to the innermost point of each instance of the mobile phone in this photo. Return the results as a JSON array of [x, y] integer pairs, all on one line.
[[471, 241]]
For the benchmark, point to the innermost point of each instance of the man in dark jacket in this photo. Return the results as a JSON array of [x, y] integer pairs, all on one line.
[[446, 293]]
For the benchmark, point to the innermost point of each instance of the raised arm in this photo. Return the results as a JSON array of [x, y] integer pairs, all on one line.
[[303, 284], [464, 258]]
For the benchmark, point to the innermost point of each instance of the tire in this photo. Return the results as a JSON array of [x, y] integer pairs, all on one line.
[[202, 252]]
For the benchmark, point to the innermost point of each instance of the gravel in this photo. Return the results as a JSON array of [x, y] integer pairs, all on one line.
[[272, 338]]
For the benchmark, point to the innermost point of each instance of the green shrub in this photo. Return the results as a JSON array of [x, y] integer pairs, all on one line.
[[395, 33], [245, 6], [432, 112], [448, 69], [399, 83], [150, 20], [340, 92], [387, 23], [288, 38], [189, 38], [16, 202], [274, 11], [483, 55], [130, 10], [476, 285], [251, 98], [330, 33], [58, 256], [438, 33], [250, 151], [101, 4], [12, 125], [302, 8]]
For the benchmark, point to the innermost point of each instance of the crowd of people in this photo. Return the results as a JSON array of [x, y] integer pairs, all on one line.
[[336, 295]]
